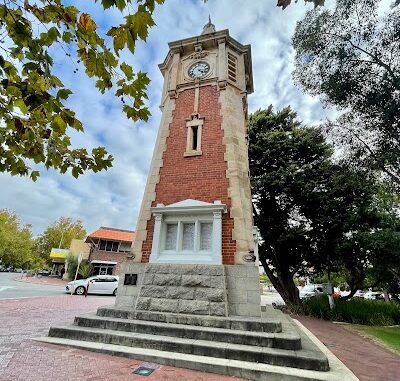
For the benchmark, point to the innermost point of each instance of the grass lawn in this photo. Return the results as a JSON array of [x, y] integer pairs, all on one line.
[[389, 336]]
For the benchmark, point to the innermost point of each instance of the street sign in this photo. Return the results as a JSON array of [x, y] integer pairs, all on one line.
[[327, 288]]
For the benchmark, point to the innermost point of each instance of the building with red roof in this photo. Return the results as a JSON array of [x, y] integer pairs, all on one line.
[[109, 247]]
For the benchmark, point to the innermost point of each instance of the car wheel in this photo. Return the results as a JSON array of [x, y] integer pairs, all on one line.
[[80, 290], [115, 292]]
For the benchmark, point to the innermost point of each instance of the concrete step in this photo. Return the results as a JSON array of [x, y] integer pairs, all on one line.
[[231, 322], [261, 339], [302, 359], [243, 369]]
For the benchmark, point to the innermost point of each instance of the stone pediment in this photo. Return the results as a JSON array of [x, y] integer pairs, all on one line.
[[189, 203], [190, 206]]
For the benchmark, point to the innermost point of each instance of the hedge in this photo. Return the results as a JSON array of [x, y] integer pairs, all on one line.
[[355, 311]]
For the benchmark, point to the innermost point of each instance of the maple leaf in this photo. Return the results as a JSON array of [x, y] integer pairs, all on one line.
[[87, 23]]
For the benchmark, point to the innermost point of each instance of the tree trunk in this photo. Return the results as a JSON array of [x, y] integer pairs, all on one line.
[[355, 280], [352, 292], [284, 284]]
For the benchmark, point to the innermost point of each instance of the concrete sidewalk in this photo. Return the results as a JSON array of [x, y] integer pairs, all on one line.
[[367, 360], [47, 280]]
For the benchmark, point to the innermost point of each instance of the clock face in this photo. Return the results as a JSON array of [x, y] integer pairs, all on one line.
[[199, 69]]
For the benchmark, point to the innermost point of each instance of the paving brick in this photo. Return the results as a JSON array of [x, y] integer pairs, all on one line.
[[22, 359], [367, 360]]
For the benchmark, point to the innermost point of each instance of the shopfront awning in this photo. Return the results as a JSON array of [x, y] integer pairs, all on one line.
[[57, 253], [97, 262]]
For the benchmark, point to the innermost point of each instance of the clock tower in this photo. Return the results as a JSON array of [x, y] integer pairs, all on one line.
[[189, 295], [196, 213]]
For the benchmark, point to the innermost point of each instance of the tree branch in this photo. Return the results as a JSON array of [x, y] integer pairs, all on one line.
[[393, 176], [377, 60]]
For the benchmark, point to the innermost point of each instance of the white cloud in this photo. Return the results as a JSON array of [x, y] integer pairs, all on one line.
[[113, 197]]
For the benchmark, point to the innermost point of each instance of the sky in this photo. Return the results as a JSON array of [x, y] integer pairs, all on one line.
[[113, 197]]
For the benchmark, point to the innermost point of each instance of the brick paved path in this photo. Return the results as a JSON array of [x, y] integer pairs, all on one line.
[[23, 360], [367, 360]]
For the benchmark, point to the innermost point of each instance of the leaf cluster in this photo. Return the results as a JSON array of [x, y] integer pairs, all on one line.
[[59, 235], [16, 243], [285, 3], [350, 57], [84, 271], [34, 119]]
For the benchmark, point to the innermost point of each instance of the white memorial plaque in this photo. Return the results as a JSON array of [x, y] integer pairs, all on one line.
[[205, 236], [170, 241], [188, 237]]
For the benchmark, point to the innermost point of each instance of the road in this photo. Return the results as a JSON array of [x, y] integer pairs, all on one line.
[[271, 297], [10, 288]]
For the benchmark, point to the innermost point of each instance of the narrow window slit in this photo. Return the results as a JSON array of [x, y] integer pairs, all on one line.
[[195, 137]]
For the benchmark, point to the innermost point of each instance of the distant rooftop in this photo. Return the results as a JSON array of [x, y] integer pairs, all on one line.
[[113, 234]]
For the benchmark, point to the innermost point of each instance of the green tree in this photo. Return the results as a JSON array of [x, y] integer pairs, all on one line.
[[285, 3], [310, 211], [368, 253], [59, 235], [338, 279], [350, 57], [384, 245], [33, 115], [16, 243], [285, 160]]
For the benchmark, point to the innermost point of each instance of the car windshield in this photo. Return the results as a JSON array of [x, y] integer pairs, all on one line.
[[309, 287]]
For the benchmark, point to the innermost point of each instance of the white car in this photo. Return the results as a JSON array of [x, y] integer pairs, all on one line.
[[311, 290], [359, 294], [98, 284], [371, 295]]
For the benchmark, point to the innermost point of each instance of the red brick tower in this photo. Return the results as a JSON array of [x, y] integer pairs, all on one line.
[[194, 250], [200, 158]]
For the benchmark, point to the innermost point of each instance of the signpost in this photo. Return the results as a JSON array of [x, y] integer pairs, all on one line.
[[328, 289], [76, 272]]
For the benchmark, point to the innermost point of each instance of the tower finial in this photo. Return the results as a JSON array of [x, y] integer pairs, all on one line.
[[209, 27]]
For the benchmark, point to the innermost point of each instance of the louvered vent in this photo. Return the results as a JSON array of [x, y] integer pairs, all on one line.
[[232, 67]]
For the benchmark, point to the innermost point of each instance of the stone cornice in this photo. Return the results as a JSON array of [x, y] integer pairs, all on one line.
[[209, 41], [189, 207]]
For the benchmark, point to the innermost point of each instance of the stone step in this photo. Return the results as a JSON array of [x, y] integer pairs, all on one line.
[[235, 368], [261, 339], [296, 359], [231, 322]]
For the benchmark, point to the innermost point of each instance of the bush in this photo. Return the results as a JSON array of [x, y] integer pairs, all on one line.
[[368, 312], [72, 265], [355, 311], [85, 269], [318, 306]]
